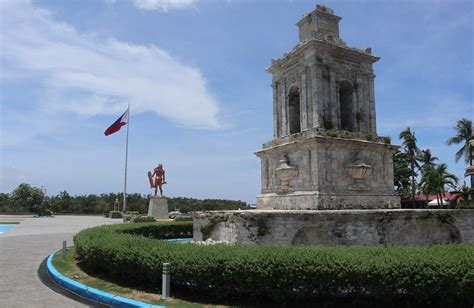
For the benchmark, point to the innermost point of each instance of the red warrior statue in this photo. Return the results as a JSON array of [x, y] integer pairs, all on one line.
[[157, 179]]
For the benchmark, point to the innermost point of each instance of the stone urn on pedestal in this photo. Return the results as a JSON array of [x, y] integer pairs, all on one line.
[[359, 172], [285, 175]]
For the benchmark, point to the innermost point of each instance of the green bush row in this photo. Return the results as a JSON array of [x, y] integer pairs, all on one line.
[[183, 218], [166, 230], [129, 215], [138, 218], [131, 253]]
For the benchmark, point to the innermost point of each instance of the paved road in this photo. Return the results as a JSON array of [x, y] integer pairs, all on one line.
[[25, 246]]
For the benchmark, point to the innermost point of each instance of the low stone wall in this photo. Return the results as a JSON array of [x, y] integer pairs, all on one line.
[[332, 227]]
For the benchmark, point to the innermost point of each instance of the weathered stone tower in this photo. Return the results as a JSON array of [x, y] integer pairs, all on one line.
[[325, 153], [327, 178]]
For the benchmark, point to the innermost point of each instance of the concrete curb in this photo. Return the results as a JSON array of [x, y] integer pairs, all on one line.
[[91, 293], [185, 239]]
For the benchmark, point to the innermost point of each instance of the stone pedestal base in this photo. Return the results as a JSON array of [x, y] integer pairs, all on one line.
[[333, 227], [312, 172], [308, 200], [158, 207]]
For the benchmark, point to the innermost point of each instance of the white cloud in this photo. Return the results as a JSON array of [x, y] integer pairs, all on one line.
[[164, 5], [88, 75]]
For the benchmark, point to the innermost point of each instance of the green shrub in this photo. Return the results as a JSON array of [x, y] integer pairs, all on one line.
[[136, 218], [167, 230], [115, 214], [186, 205], [129, 215], [183, 218], [441, 274]]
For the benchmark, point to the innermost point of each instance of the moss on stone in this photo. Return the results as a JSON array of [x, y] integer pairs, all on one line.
[[446, 218], [339, 133], [213, 222], [262, 228]]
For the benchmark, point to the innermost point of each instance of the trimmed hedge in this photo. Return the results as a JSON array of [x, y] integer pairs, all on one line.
[[441, 274], [138, 218], [183, 218]]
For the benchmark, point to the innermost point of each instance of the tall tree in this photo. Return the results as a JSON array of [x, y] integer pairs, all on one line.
[[436, 179], [463, 130], [411, 150], [426, 159], [27, 198], [62, 202], [463, 190], [463, 136], [401, 173]]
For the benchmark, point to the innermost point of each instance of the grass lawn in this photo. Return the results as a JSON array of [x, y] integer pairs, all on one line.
[[9, 222], [70, 269]]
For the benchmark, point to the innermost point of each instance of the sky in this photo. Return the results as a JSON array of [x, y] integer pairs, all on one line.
[[193, 72]]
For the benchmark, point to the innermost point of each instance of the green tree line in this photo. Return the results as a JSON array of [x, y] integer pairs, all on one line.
[[28, 199]]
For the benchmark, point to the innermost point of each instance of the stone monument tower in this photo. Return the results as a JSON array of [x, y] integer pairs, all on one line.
[[325, 152], [327, 178]]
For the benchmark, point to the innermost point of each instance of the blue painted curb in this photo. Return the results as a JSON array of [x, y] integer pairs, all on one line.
[[91, 293], [185, 239]]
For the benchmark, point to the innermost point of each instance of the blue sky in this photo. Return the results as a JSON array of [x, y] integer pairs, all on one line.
[[193, 72]]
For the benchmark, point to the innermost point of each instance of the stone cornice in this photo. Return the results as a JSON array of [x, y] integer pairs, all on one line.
[[324, 141], [322, 45]]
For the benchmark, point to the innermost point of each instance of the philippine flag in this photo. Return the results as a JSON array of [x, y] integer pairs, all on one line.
[[123, 120]]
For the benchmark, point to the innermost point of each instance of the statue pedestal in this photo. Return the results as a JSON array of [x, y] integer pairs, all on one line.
[[158, 207]]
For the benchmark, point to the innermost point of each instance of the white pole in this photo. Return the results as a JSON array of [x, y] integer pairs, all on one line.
[[126, 161], [165, 284], [64, 250]]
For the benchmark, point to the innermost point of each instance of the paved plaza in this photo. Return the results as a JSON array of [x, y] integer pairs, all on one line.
[[25, 246]]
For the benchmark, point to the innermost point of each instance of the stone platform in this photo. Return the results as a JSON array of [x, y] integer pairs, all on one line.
[[307, 171], [307, 200], [336, 227], [158, 207]]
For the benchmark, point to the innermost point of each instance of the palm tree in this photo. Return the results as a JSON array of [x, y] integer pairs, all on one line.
[[464, 192], [427, 184], [426, 159], [463, 135], [436, 179], [411, 150], [401, 173]]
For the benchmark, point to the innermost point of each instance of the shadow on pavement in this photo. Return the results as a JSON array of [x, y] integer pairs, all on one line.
[[46, 280]]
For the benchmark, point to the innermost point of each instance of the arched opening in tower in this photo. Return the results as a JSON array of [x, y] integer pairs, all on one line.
[[294, 110], [346, 106]]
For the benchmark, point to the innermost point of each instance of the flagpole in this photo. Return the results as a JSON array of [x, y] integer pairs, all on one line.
[[126, 162]]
